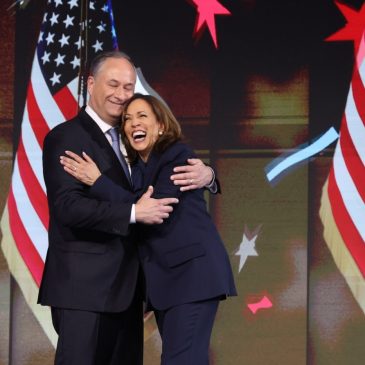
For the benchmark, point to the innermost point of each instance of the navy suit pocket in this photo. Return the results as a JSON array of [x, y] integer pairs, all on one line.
[[81, 246], [184, 254]]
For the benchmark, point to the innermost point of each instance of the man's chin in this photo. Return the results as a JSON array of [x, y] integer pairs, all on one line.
[[116, 113]]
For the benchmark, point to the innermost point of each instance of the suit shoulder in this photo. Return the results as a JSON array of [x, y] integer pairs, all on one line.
[[69, 127], [179, 150]]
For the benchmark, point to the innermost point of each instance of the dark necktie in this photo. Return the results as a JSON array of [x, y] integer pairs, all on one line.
[[113, 132]]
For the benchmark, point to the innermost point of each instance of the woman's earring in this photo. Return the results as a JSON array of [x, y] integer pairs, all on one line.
[[160, 133]]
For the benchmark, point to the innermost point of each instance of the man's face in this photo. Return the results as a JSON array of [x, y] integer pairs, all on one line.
[[111, 87]]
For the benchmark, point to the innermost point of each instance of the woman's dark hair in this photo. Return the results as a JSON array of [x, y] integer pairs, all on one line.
[[171, 127]]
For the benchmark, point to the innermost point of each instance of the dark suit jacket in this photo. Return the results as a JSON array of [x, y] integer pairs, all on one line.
[[91, 262], [184, 259]]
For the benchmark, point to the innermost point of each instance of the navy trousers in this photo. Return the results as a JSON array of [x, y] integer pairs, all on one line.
[[185, 331], [93, 338]]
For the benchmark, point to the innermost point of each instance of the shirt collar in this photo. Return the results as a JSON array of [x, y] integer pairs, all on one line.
[[95, 117]]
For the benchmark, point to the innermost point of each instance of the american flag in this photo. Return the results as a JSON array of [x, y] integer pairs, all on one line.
[[71, 31], [343, 199]]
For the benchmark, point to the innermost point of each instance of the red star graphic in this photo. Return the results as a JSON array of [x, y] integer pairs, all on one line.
[[353, 30], [207, 9]]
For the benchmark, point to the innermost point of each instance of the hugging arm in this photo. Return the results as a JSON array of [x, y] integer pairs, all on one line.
[[147, 209], [194, 174], [171, 160], [85, 170]]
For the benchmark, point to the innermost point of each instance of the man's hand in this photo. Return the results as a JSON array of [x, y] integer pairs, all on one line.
[[196, 175], [153, 211]]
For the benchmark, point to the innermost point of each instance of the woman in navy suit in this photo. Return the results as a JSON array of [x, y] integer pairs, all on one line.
[[186, 266]]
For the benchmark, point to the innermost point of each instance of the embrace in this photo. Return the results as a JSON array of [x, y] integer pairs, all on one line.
[[129, 225]]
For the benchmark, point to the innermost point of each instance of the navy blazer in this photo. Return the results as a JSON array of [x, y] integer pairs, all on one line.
[[92, 263], [184, 259]]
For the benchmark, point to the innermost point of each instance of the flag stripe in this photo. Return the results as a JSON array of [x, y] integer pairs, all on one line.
[[351, 198], [361, 71], [352, 159], [358, 94], [355, 126], [32, 150], [345, 224], [339, 250], [73, 87], [35, 192], [36, 119], [66, 102], [23, 242], [33, 225]]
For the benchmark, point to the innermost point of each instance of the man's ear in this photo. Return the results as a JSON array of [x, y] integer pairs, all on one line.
[[90, 84]]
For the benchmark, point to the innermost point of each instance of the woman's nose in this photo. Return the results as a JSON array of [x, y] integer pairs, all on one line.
[[135, 122]]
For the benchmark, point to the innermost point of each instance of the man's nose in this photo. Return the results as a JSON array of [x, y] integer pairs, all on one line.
[[121, 93]]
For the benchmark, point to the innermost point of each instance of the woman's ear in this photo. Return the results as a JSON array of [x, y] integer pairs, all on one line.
[[161, 129]]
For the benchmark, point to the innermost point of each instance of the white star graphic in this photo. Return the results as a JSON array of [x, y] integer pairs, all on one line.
[[55, 79], [92, 5], [45, 57], [247, 248], [45, 17], [59, 59], [101, 27], [105, 8], [78, 43], [69, 21], [54, 18], [49, 38], [58, 2], [75, 62], [72, 3], [98, 46], [64, 40]]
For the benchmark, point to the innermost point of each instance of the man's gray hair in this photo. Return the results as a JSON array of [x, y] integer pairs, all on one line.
[[102, 57]]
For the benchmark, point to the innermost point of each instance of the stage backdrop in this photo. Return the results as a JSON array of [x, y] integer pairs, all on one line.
[[268, 92]]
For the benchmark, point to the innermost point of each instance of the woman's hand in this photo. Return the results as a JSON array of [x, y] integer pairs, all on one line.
[[82, 168]]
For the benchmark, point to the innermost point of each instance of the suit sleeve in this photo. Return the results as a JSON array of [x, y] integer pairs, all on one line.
[[175, 156], [69, 200], [106, 189]]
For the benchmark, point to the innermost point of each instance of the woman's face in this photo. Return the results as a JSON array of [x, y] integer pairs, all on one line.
[[141, 127]]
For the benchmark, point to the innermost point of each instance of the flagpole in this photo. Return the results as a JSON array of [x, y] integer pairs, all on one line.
[[83, 54]]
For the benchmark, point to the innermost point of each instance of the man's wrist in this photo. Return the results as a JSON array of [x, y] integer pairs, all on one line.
[[212, 186], [212, 181]]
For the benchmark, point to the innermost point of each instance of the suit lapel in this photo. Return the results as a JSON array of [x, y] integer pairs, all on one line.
[[111, 166]]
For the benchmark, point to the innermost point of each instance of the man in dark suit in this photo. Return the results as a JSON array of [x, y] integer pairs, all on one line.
[[91, 277]]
